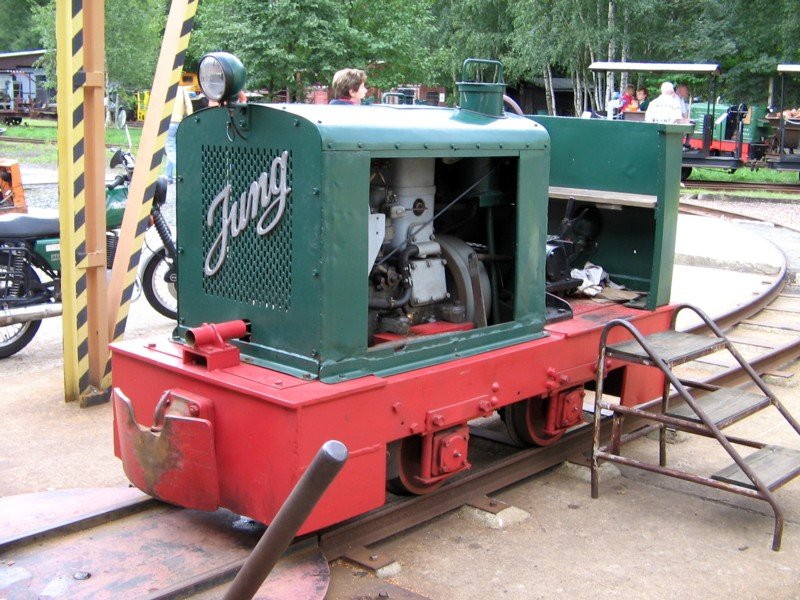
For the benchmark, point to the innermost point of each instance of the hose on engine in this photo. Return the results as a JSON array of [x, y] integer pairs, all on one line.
[[386, 303]]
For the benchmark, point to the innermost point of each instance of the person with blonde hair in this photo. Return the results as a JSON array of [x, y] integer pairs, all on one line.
[[349, 87]]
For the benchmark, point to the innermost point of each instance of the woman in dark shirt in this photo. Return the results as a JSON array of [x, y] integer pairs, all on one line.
[[349, 87]]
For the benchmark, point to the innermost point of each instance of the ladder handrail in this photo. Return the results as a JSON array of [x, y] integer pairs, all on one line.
[[755, 377], [659, 363]]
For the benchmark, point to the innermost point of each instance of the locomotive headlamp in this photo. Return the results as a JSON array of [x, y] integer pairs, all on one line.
[[221, 76]]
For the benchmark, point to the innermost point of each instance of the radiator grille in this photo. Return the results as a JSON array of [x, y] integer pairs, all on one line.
[[258, 269]]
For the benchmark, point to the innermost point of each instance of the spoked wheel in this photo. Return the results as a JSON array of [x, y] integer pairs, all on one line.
[[14, 338], [526, 422], [404, 465], [160, 284]]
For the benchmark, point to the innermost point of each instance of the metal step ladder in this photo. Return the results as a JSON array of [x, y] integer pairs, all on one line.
[[707, 411]]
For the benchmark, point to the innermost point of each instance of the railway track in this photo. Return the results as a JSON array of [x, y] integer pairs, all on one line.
[[742, 186], [38, 142], [759, 330]]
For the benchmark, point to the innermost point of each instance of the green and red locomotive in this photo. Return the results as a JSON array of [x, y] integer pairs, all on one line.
[[382, 275]]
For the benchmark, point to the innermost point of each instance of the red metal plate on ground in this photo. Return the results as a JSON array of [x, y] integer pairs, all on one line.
[[142, 554]]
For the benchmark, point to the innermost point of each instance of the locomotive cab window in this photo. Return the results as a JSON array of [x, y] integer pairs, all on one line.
[[442, 237]]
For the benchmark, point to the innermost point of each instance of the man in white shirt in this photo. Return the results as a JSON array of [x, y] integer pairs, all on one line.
[[666, 108]]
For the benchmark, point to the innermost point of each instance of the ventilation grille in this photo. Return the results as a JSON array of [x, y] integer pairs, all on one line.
[[258, 269]]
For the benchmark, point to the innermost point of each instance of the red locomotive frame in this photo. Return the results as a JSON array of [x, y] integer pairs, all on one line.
[[230, 434]]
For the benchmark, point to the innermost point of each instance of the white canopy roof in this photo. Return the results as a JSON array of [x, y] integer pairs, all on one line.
[[656, 67]]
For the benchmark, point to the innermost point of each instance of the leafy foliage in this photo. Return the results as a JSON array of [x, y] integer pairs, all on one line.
[[18, 32], [289, 45], [133, 39]]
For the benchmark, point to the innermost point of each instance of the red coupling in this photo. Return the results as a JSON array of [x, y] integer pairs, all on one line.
[[206, 345], [215, 334]]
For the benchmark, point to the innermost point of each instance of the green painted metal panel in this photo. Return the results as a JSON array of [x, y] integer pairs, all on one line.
[[50, 249], [752, 131], [637, 244], [115, 206], [531, 237], [303, 285], [698, 111], [382, 128], [343, 259], [757, 128], [270, 280]]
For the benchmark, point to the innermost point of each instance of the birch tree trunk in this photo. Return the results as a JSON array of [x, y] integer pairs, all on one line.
[[578, 93], [548, 89], [612, 46], [626, 47]]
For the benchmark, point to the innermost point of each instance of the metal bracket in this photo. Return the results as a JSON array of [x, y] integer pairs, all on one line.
[[369, 559], [487, 504]]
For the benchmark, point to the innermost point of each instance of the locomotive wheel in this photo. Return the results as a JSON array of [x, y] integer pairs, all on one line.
[[526, 421], [403, 466]]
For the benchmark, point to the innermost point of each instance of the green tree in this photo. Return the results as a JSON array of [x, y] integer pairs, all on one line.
[[289, 45], [469, 29], [285, 45], [18, 32], [133, 38], [393, 40]]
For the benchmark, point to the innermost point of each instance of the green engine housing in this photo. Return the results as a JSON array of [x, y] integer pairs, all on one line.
[[279, 215]]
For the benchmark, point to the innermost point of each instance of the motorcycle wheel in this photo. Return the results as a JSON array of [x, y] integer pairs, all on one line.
[[14, 338], [161, 293]]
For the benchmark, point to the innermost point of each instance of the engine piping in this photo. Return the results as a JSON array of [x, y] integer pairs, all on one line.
[[387, 303]]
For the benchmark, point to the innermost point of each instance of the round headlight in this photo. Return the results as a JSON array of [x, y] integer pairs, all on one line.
[[221, 76]]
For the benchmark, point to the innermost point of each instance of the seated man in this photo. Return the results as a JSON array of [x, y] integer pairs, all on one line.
[[666, 108]]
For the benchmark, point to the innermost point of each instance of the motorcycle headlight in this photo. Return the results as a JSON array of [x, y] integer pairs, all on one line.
[[221, 76]]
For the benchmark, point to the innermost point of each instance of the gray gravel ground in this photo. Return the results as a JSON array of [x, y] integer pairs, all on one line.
[[784, 211]]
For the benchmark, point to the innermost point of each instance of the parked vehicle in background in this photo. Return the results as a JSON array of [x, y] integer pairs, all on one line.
[[30, 258]]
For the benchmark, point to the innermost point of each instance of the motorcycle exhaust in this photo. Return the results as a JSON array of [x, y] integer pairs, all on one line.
[[12, 316]]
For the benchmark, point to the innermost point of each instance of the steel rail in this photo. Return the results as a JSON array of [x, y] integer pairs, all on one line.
[[81, 523], [739, 186], [38, 141]]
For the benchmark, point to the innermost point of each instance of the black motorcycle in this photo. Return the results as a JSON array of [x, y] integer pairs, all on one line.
[[30, 261]]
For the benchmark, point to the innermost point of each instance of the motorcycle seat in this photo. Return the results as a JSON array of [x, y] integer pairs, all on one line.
[[36, 223]]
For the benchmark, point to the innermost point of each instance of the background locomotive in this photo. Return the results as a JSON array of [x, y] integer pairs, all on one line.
[[379, 275]]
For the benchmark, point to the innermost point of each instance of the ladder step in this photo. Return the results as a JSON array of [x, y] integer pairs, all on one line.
[[724, 406], [773, 465], [674, 348]]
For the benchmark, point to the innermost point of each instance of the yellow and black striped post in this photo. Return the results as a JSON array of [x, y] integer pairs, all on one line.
[[80, 32], [148, 161]]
